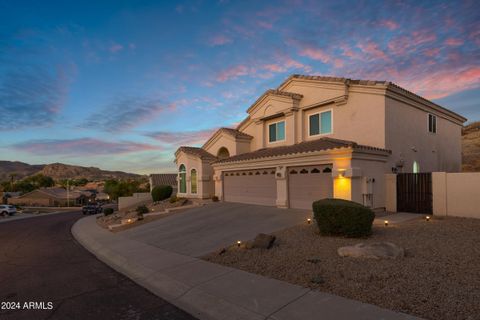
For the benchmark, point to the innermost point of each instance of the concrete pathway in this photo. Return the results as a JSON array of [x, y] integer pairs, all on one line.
[[210, 291]]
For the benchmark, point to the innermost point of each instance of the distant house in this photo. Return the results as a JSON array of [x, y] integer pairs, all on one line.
[[161, 179], [52, 197]]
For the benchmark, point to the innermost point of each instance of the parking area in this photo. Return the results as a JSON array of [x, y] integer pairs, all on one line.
[[198, 231]]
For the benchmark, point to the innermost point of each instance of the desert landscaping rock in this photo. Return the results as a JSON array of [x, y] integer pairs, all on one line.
[[263, 241], [376, 250], [438, 279]]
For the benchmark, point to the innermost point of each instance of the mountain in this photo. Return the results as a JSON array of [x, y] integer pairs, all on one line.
[[59, 171], [471, 147]]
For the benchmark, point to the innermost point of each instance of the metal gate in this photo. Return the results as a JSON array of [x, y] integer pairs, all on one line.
[[414, 192]]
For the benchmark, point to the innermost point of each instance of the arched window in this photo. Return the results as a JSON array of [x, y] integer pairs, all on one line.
[[193, 181], [223, 153], [416, 167], [182, 175]]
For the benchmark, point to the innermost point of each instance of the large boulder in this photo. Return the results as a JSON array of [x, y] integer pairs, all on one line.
[[376, 250], [263, 241]]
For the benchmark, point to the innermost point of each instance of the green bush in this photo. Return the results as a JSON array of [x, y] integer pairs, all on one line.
[[107, 211], [142, 210], [160, 193], [343, 218], [173, 199]]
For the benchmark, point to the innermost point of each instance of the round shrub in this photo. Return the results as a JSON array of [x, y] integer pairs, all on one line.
[[160, 193], [343, 218], [107, 211], [141, 210]]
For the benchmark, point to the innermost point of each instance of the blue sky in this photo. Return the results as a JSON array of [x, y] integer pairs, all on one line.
[[121, 84]]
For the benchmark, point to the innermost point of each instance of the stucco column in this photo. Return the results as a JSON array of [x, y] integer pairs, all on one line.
[[439, 193], [282, 187], [218, 178], [290, 126], [391, 192]]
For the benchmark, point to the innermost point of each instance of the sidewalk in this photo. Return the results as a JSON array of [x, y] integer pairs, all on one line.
[[210, 291]]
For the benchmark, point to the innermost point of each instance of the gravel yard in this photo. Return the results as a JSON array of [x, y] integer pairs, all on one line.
[[439, 278]]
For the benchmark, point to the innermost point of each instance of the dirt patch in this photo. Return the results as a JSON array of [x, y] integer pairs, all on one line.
[[116, 218], [439, 278]]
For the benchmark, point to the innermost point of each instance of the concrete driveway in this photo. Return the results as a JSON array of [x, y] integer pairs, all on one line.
[[199, 231]]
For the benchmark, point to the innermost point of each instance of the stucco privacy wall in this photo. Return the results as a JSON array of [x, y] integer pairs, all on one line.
[[408, 137], [456, 194], [134, 200]]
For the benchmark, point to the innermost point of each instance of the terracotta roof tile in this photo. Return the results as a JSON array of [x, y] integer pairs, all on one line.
[[303, 147], [201, 153]]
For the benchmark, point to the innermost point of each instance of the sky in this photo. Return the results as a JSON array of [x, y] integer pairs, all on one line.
[[121, 85]]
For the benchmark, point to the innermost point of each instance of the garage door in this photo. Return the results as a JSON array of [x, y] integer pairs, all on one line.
[[308, 184], [253, 186]]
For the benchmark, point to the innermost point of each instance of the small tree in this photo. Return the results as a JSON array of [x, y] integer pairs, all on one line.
[[160, 193]]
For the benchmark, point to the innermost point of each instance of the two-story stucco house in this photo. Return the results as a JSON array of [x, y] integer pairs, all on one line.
[[315, 137]]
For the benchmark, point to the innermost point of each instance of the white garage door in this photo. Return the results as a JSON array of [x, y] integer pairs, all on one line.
[[253, 186], [308, 184]]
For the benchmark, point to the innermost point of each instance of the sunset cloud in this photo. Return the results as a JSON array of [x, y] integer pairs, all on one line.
[[81, 147], [126, 113], [182, 138], [219, 40]]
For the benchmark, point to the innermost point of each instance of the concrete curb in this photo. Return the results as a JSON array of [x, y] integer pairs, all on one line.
[[213, 292]]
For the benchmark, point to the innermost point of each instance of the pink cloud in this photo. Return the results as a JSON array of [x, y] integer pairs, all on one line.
[[182, 138], [370, 48], [234, 72], [432, 52], [454, 42], [315, 54], [114, 48], [220, 40], [81, 146], [389, 24]]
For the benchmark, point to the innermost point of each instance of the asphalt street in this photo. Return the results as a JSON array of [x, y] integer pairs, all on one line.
[[46, 274]]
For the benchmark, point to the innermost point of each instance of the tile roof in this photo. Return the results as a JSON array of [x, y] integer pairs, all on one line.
[[276, 92], [199, 152], [162, 179], [236, 133], [302, 147]]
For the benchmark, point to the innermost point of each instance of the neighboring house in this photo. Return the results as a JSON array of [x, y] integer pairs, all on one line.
[[315, 137], [52, 197], [163, 179]]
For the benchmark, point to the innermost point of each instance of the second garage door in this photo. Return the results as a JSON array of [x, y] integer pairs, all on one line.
[[308, 184], [253, 186]]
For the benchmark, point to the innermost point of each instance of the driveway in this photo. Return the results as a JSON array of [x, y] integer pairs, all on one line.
[[199, 231]]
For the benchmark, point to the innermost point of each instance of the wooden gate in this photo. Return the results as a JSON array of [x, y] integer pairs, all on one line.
[[414, 192]]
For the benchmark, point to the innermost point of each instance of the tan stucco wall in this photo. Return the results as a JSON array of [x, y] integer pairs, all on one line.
[[205, 188], [407, 129], [136, 199], [391, 192], [225, 140], [456, 194]]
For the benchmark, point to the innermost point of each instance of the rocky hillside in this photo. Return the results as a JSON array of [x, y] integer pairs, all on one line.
[[471, 147], [59, 171]]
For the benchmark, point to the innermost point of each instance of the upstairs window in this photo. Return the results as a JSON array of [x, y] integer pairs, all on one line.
[[276, 131], [320, 123], [432, 123]]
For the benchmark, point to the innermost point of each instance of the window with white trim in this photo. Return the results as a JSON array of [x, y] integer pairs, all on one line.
[[276, 131], [320, 123], [432, 123]]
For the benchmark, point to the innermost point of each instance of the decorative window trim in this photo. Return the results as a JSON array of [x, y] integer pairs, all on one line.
[[284, 134], [320, 120]]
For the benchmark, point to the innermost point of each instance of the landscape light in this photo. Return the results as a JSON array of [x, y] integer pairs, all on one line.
[[129, 220], [309, 220], [427, 218], [239, 243], [386, 223]]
